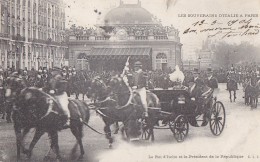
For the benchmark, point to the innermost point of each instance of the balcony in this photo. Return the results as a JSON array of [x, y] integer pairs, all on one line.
[[18, 37], [4, 35]]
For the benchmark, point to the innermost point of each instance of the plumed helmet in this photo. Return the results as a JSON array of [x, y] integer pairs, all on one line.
[[138, 64]]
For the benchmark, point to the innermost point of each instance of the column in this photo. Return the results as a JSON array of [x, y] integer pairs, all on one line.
[[5, 58], [26, 21], [36, 61], [26, 55], [1, 47]]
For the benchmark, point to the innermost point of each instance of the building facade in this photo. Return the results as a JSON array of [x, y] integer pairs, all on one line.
[[128, 30], [32, 33]]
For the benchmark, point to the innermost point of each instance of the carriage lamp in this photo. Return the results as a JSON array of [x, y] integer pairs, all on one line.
[[181, 99]]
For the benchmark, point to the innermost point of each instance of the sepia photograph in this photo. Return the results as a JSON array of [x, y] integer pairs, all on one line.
[[129, 80]]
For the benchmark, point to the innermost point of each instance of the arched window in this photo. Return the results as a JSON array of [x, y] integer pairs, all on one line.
[[161, 61], [82, 62]]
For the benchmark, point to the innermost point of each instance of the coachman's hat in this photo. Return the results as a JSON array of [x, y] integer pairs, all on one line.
[[138, 64]]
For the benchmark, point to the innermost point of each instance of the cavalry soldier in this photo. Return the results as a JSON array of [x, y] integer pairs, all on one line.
[[211, 81], [139, 84], [232, 76], [58, 88]]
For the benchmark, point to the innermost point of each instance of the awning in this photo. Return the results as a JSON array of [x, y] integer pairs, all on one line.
[[119, 53]]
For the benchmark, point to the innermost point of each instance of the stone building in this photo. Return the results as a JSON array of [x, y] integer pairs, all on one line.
[[32, 33], [128, 30]]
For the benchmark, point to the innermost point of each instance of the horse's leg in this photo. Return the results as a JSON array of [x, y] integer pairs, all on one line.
[[117, 127], [37, 136], [18, 134], [77, 131], [55, 144], [77, 95], [230, 95], [108, 134], [235, 97]]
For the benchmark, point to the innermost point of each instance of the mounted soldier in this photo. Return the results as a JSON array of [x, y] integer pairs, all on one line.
[[58, 86], [232, 84]]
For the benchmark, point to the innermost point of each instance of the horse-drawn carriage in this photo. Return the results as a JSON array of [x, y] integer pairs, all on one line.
[[179, 110]]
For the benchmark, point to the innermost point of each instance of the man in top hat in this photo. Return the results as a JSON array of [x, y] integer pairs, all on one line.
[[211, 81], [58, 88], [196, 77], [139, 83]]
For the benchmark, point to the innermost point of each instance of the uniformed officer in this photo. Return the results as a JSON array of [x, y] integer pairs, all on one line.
[[140, 83], [58, 89]]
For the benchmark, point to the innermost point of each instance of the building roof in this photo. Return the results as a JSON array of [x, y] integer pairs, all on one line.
[[129, 14]]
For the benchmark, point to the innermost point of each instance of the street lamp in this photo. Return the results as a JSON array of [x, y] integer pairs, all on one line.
[[38, 59], [199, 62]]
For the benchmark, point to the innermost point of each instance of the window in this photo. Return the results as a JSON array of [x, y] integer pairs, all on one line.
[[161, 61]]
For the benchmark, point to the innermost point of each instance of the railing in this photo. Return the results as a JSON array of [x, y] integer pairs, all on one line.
[[101, 38], [141, 37], [160, 37], [4, 35], [18, 37], [82, 37]]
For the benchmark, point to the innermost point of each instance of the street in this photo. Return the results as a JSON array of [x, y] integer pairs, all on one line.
[[238, 142]]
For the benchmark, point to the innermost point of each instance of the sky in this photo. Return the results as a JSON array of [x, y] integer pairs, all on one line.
[[81, 12]]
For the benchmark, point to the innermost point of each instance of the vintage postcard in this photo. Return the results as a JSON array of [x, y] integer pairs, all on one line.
[[130, 80]]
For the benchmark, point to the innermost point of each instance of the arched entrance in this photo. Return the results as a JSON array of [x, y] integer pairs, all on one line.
[[161, 61], [82, 62]]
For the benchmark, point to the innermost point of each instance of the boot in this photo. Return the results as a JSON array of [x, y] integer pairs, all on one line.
[[67, 124], [146, 114]]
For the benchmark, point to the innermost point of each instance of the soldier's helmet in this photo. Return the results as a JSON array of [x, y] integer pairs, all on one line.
[[138, 64]]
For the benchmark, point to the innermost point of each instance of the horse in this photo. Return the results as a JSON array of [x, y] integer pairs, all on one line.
[[252, 92], [116, 102], [232, 86], [34, 108], [79, 84]]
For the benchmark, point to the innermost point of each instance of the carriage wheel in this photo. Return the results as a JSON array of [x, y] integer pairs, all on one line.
[[217, 118], [179, 128], [147, 131]]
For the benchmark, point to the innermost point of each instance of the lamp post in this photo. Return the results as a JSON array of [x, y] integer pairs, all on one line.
[[199, 62], [189, 65], [38, 59]]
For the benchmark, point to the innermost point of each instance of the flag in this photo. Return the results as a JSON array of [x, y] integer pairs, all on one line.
[[126, 68]]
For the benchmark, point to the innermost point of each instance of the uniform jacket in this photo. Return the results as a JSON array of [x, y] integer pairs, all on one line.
[[139, 79], [212, 82]]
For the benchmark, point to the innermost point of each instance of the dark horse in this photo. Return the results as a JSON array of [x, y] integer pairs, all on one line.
[[252, 92], [34, 108], [118, 103], [232, 86]]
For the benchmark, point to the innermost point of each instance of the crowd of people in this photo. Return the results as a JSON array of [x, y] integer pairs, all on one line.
[[156, 78], [156, 30]]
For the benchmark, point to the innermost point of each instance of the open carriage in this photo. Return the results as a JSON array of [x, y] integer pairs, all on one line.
[[179, 110]]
